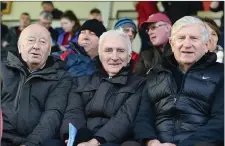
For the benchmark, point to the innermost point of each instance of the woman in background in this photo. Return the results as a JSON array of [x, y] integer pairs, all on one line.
[[70, 24], [214, 32]]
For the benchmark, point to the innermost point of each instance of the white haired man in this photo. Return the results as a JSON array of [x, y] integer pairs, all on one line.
[[103, 106], [185, 94]]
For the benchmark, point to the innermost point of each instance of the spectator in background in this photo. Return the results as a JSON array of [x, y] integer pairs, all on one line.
[[81, 61], [217, 6], [48, 6], [4, 28], [103, 106], [45, 19], [128, 27], [158, 26], [183, 100], [214, 32], [70, 24], [95, 14], [177, 9], [34, 91], [10, 41], [144, 9]]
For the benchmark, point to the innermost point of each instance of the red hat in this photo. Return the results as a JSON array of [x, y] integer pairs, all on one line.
[[155, 18]]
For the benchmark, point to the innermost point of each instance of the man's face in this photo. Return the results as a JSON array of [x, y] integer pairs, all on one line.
[[114, 54], [34, 45], [66, 24], [130, 32], [47, 7], [24, 20], [158, 33], [187, 44], [95, 16], [45, 22], [213, 39], [89, 41]]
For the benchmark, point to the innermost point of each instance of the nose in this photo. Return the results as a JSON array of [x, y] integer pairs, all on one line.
[[187, 42], [36, 45], [114, 56]]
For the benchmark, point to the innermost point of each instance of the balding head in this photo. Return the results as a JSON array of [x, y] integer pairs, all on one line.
[[34, 46]]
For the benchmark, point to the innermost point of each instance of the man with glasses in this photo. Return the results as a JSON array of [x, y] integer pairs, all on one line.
[[158, 27], [130, 28]]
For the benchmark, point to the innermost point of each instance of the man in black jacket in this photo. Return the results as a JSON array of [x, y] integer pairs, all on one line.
[[34, 91], [48, 6], [158, 27], [186, 93]]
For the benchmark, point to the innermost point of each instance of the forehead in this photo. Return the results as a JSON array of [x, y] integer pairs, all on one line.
[[115, 41], [191, 30], [24, 16], [36, 32], [155, 23]]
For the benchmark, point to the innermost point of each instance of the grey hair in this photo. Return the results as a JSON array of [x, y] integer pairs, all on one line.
[[189, 20], [46, 15], [115, 33]]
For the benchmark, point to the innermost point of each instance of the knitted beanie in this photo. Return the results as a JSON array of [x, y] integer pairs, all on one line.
[[95, 26]]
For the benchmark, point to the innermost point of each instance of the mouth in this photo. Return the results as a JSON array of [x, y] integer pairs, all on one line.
[[115, 64], [153, 37], [36, 54], [187, 52]]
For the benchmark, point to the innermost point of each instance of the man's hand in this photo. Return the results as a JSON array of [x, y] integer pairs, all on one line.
[[157, 143], [92, 142]]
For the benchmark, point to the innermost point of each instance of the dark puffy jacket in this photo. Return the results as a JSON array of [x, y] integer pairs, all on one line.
[[32, 103], [188, 108], [106, 106]]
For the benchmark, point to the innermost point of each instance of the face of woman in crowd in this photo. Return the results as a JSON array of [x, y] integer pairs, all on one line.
[[67, 24], [213, 38]]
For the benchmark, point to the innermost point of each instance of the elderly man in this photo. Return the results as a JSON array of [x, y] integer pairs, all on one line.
[[186, 93], [81, 61], [158, 26], [103, 106], [34, 91], [45, 19]]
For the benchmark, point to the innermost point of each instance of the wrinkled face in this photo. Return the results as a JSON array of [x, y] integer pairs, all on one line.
[[95, 16], [24, 20], [89, 41], [130, 32], [45, 22], [34, 46], [47, 7], [158, 33], [67, 24], [213, 39], [114, 54], [187, 44]]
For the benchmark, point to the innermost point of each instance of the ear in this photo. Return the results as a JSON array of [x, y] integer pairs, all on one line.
[[171, 44], [19, 46], [129, 57], [206, 49]]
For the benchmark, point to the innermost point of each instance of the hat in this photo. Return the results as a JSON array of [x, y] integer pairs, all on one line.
[[95, 26], [125, 22], [155, 18]]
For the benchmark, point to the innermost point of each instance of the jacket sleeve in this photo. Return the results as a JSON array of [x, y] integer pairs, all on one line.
[[121, 124], [140, 66], [144, 125], [49, 124], [74, 113], [213, 130]]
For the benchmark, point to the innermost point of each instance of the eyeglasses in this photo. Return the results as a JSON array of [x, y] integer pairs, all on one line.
[[154, 27]]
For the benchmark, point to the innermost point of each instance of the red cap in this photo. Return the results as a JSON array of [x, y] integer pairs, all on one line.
[[155, 18]]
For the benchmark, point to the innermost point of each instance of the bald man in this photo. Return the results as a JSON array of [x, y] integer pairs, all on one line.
[[34, 91]]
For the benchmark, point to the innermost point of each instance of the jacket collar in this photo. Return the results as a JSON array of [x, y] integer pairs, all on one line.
[[120, 78], [17, 62], [206, 60]]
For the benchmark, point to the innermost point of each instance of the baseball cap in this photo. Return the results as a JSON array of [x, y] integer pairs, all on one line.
[[156, 18]]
